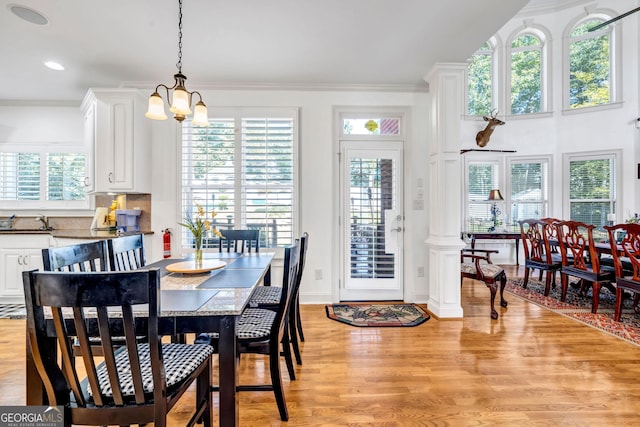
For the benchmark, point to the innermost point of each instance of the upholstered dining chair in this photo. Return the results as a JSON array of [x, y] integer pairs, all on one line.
[[239, 241], [580, 259], [133, 384], [126, 253], [626, 260], [476, 264], [537, 252], [263, 331], [269, 297]]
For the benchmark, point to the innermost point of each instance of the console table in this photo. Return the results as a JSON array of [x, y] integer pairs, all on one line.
[[495, 236]]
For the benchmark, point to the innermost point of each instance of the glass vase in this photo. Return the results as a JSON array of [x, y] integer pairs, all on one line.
[[197, 255]]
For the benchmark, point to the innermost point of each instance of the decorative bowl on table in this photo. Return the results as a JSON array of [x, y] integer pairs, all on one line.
[[193, 267]]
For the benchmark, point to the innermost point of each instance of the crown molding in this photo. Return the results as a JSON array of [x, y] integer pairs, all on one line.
[[320, 87]]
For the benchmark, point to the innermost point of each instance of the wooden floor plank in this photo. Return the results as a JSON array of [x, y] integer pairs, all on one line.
[[529, 367]]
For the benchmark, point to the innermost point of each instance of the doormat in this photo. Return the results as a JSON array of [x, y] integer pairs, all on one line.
[[377, 315], [578, 307]]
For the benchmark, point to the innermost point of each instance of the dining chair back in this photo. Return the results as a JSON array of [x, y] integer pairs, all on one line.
[[625, 251], [91, 256], [269, 297], [580, 259], [133, 384], [126, 253], [239, 241], [264, 331], [537, 252]]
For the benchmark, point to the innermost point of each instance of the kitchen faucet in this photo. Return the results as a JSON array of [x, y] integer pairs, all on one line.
[[44, 222]]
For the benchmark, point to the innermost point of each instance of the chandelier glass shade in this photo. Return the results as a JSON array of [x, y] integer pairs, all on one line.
[[177, 96]]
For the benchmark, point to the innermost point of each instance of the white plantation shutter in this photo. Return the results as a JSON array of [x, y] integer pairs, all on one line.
[[592, 187], [38, 179], [65, 176], [242, 167], [19, 176]]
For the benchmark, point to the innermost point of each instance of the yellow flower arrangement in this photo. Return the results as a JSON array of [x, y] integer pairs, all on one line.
[[199, 224]]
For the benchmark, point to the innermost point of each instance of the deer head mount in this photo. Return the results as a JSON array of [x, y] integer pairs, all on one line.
[[482, 138]]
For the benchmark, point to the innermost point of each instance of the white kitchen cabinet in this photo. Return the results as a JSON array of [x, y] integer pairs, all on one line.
[[118, 133], [18, 253]]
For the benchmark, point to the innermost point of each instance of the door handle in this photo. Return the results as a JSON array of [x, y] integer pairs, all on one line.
[[398, 229]]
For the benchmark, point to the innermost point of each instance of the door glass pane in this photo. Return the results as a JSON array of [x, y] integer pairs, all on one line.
[[371, 194]]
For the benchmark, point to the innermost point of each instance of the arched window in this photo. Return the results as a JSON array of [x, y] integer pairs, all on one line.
[[591, 67], [480, 79], [527, 91]]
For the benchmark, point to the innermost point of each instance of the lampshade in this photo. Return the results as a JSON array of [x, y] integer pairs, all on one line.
[[495, 195], [180, 102], [156, 107], [200, 117]]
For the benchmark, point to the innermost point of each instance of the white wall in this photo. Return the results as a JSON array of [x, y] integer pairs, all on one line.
[[317, 184]]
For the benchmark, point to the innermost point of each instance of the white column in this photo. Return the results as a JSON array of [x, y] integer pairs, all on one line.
[[446, 92]]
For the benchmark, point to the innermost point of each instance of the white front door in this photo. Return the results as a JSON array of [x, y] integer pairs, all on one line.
[[372, 220]]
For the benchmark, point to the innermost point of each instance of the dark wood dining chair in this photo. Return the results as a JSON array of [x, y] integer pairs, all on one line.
[[580, 259], [126, 253], [239, 241], [626, 260], [476, 264], [269, 297], [537, 252], [263, 331], [91, 256], [134, 384]]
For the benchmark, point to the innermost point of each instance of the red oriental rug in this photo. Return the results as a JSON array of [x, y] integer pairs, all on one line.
[[578, 307]]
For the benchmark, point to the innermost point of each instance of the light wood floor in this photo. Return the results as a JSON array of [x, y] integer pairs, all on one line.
[[529, 368]]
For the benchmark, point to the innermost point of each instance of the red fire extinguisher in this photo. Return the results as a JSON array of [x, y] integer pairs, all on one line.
[[166, 240]]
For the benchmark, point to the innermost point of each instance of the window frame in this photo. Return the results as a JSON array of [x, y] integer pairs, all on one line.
[[545, 201], [503, 182], [615, 61], [543, 36], [43, 204], [591, 155], [239, 217], [494, 44]]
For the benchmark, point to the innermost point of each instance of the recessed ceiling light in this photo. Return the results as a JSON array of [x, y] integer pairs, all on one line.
[[28, 14], [54, 65]]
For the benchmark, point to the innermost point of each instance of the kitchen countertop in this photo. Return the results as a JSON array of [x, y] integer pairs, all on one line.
[[74, 233]]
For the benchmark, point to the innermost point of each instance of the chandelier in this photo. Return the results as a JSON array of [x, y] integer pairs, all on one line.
[[181, 102]]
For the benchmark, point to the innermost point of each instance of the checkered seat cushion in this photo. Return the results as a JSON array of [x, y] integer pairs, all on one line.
[[254, 324], [180, 360], [488, 270], [265, 295]]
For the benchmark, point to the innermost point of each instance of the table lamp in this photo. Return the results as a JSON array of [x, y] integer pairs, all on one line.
[[494, 196]]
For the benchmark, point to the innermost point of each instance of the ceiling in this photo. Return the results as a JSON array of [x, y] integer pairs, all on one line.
[[241, 43]]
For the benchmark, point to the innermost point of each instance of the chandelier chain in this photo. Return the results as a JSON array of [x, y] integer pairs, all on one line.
[[179, 63]]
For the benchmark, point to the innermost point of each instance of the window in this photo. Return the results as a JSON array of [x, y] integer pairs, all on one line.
[[592, 186], [523, 183], [27, 179], [526, 74], [482, 177], [529, 196], [243, 167], [590, 65], [480, 81]]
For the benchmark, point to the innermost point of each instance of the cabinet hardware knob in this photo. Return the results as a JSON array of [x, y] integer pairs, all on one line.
[[110, 177], [86, 181]]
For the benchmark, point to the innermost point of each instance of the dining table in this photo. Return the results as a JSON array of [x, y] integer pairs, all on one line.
[[207, 301]]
